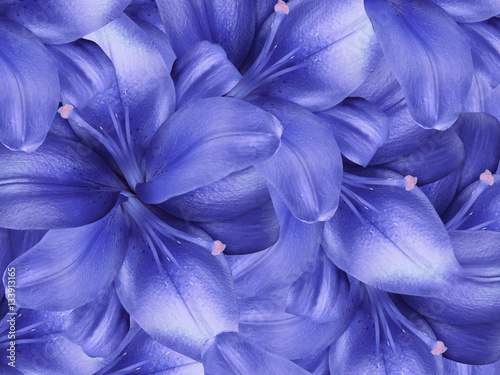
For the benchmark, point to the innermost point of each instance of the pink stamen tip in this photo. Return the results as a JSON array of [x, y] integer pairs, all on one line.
[[219, 248], [63, 111], [440, 348], [281, 6], [412, 182], [486, 175]]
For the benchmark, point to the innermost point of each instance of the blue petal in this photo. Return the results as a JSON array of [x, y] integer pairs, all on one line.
[[444, 151], [203, 142], [230, 24], [476, 344], [23, 240], [485, 47], [337, 51], [5, 254], [70, 267], [30, 89], [479, 94], [203, 71], [230, 352], [84, 71], [264, 8], [321, 293], [99, 326], [480, 133], [306, 171], [402, 247], [355, 351], [62, 184], [428, 54], [143, 83], [359, 127], [222, 200], [441, 192], [452, 367], [179, 307], [150, 357], [470, 11], [253, 231], [317, 364], [63, 21]]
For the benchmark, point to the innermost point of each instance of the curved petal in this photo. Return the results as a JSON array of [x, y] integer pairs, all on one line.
[[398, 244], [485, 47], [181, 307], [30, 93], [355, 352], [70, 267], [98, 326], [203, 142], [444, 151], [479, 95], [466, 11], [203, 71], [5, 254], [62, 184], [321, 293], [335, 50], [306, 171], [228, 23], [441, 192], [428, 54], [63, 21], [222, 200], [317, 365], [84, 71], [23, 240], [250, 232], [143, 84], [452, 367], [359, 128], [480, 134], [230, 352]]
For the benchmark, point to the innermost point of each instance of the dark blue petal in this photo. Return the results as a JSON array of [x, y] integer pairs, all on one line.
[[480, 134], [62, 129], [306, 171], [203, 71], [467, 11], [23, 240], [253, 231], [84, 71], [428, 54], [150, 357], [336, 49], [485, 47], [452, 367], [264, 9], [317, 364], [355, 351], [99, 326], [232, 353], [479, 94], [62, 184], [5, 254], [70, 267], [359, 127], [179, 307], [203, 142], [441, 192], [444, 151], [321, 293], [63, 21], [402, 247], [222, 200], [476, 344], [143, 83], [230, 24], [30, 88]]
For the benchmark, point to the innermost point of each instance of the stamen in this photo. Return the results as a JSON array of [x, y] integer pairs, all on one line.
[[486, 179], [407, 182], [219, 248], [63, 111], [281, 7], [412, 182]]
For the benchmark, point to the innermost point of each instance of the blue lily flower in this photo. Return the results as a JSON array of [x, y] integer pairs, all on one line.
[[32, 85], [99, 206]]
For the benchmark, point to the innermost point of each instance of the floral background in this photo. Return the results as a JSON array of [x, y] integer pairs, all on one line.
[[249, 187]]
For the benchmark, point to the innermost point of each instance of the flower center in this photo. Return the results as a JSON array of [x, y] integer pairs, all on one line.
[[486, 179], [382, 308], [261, 72]]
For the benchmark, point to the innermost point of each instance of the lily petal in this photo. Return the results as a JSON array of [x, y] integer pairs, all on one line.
[[205, 141], [428, 54], [441, 192], [465, 11]]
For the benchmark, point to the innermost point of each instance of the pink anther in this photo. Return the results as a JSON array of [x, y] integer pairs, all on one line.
[[219, 248], [486, 175], [412, 182], [281, 6], [63, 111], [440, 349]]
